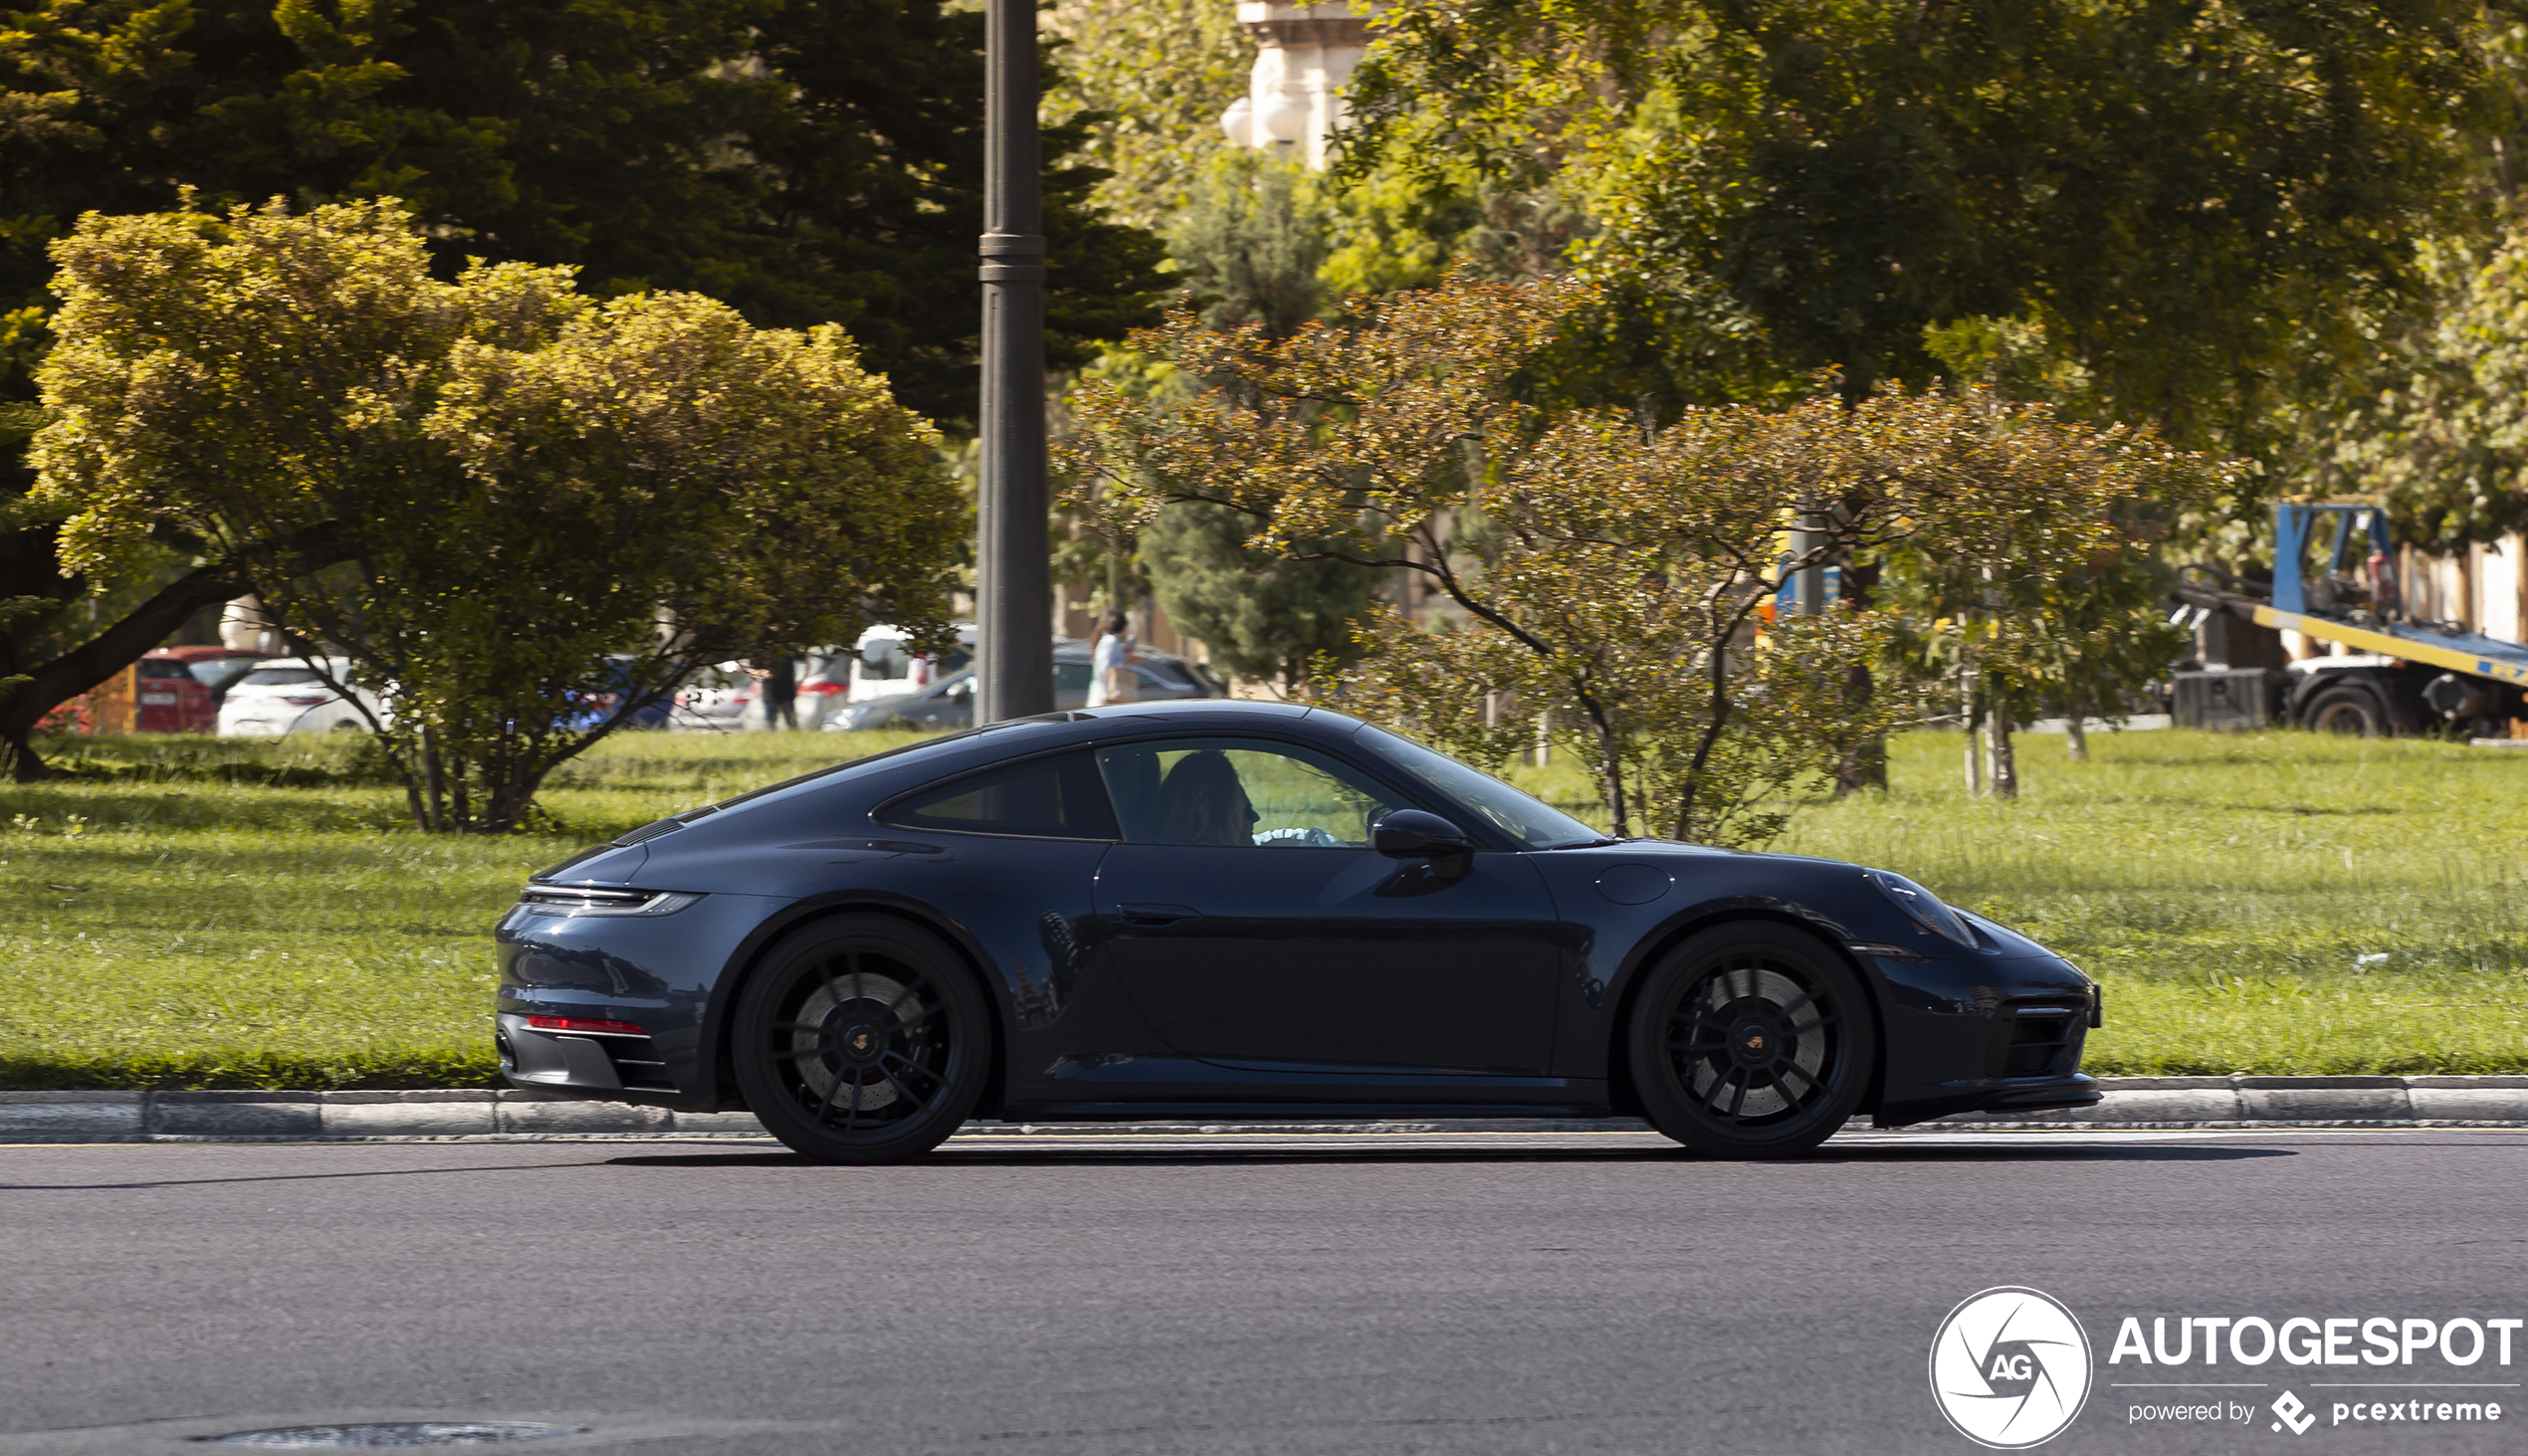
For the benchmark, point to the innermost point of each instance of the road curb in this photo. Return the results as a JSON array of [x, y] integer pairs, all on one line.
[[2138, 1103]]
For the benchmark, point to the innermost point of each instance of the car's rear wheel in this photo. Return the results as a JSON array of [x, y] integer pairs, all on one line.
[[1751, 1040], [862, 1039]]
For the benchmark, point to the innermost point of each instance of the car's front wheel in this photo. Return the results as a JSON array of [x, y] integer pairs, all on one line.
[[861, 1039], [1751, 1040]]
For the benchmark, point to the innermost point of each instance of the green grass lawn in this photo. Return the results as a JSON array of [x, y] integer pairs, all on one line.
[[219, 914]]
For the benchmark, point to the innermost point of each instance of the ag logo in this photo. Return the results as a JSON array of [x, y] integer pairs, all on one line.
[[2009, 1368]]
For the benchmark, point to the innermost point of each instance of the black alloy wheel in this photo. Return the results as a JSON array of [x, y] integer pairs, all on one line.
[[861, 1039], [1751, 1040], [2347, 711]]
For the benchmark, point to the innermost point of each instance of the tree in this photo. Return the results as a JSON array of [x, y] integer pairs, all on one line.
[[48, 655], [1265, 618], [2437, 428], [1252, 242], [2198, 203], [1609, 574], [809, 162], [1151, 79], [547, 509]]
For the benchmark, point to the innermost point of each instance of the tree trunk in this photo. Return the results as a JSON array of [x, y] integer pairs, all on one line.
[[48, 685], [18, 759], [2004, 755], [1967, 706], [1864, 764], [1610, 778], [2075, 737]]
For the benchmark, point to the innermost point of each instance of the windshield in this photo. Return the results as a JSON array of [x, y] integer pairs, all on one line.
[[1529, 820]]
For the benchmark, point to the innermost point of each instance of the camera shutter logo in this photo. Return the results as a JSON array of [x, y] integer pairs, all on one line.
[[2010, 1367]]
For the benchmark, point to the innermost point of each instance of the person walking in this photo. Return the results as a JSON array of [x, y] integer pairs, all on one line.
[[1111, 655]]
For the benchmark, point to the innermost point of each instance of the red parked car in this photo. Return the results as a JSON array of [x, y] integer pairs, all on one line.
[[176, 690]]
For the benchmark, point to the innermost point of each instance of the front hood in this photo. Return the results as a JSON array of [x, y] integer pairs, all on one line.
[[1829, 882]]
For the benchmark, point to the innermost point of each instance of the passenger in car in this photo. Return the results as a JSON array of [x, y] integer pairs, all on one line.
[[1203, 802]]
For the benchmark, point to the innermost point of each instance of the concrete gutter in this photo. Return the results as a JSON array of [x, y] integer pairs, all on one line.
[[303, 1117]]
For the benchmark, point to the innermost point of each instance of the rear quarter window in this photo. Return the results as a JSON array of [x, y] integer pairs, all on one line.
[[1061, 797]]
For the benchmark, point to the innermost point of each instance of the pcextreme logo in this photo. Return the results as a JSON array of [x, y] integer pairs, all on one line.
[[2010, 1367]]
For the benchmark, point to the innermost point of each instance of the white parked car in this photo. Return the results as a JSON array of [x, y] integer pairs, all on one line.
[[881, 666], [289, 697], [716, 697]]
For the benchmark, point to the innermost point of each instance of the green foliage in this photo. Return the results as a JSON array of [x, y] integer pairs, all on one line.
[[2198, 203], [649, 481], [1265, 618], [1154, 77], [2437, 428], [807, 162], [1252, 242], [1608, 574]]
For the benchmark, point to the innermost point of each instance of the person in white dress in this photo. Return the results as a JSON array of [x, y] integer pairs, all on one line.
[[1111, 655]]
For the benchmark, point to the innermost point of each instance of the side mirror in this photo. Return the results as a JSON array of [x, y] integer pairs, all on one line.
[[1412, 834]]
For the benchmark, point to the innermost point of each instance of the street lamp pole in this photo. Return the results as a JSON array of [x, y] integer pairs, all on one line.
[[1014, 590]]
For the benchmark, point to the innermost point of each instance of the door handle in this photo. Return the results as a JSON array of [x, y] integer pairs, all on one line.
[[1156, 915]]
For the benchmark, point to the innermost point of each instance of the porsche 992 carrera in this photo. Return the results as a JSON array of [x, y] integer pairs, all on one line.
[[1225, 910]]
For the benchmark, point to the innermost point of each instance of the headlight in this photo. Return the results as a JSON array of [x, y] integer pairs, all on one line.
[[1922, 906], [579, 901]]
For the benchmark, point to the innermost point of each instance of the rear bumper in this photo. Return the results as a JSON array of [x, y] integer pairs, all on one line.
[[654, 973]]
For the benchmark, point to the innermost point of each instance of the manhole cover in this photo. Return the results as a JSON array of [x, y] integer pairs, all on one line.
[[395, 1433]]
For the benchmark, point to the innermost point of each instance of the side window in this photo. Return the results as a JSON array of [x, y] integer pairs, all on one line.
[[1048, 798], [1238, 791]]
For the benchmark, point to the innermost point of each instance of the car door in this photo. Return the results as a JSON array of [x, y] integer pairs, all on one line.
[[1252, 925]]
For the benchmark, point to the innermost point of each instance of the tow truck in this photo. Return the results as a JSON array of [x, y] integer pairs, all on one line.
[[2335, 580]]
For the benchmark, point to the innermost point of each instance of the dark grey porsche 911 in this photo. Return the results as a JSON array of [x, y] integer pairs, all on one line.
[[1236, 909]]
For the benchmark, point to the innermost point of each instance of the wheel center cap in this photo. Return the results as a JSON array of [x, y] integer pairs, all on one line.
[[1752, 1041], [861, 1043]]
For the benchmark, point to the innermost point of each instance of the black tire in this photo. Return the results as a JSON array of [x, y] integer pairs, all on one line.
[[861, 1039], [2347, 712], [1751, 1040]]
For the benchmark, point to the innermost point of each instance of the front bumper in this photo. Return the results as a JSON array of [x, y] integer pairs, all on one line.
[[1984, 1033]]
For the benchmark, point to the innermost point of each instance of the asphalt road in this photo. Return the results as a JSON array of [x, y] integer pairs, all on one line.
[[1463, 1295]]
